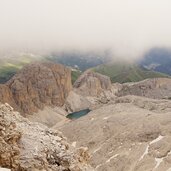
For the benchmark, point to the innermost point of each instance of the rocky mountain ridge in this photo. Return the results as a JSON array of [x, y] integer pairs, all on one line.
[[46, 84], [84, 96], [27, 146], [92, 84], [156, 88], [89, 89]]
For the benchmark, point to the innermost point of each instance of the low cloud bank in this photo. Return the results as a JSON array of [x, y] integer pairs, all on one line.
[[127, 27]]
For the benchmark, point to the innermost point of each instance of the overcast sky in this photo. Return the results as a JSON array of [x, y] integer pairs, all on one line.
[[128, 27]]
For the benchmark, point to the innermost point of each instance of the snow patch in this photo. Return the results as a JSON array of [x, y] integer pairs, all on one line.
[[4, 169], [157, 139], [105, 118], [74, 144], [98, 166], [98, 149], [112, 158], [152, 142], [158, 161], [145, 152]]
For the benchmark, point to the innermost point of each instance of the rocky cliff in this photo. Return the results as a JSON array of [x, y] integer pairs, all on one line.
[[27, 146], [37, 85], [92, 84], [157, 88], [90, 89]]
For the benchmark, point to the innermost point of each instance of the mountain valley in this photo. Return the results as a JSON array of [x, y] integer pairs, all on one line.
[[85, 85], [126, 129]]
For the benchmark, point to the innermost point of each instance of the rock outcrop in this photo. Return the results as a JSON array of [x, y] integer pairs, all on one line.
[[76, 102], [27, 146], [37, 85], [157, 88], [92, 84], [90, 90]]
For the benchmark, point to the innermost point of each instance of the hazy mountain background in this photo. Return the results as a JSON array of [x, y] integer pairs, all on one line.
[[155, 63], [127, 72], [85, 34], [157, 59], [81, 60]]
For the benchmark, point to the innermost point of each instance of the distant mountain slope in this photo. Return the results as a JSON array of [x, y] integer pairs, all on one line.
[[124, 72], [80, 60], [157, 59], [9, 65], [74, 75], [6, 72]]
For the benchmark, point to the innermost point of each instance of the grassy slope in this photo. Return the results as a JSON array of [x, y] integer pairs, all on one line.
[[118, 72], [75, 75], [6, 73], [122, 72], [8, 67], [7, 70]]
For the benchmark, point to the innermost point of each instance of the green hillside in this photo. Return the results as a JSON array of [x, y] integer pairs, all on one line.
[[74, 75], [8, 69], [9, 66], [118, 72], [123, 72]]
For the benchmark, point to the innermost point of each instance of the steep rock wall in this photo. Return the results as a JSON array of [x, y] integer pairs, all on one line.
[[37, 85]]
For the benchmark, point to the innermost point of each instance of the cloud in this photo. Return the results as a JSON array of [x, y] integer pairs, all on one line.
[[128, 27]]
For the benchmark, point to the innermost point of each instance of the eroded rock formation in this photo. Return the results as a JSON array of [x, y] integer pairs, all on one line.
[[37, 85], [157, 88], [27, 146], [90, 90], [92, 84]]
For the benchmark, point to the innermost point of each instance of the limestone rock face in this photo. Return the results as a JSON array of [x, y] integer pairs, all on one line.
[[157, 88], [76, 102], [37, 85], [90, 90], [9, 138], [5, 94], [27, 146], [92, 84]]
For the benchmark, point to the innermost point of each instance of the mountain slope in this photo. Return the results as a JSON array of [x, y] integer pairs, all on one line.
[[80, 60], [130, 134], [157, 59], [10, 65], [156, 88], [123, 72], [74, 75], [28, 146]]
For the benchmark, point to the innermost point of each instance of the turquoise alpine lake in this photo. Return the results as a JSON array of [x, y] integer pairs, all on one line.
[[76, 115]]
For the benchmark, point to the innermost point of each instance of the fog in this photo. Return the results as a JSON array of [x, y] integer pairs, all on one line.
[[127, 27]]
